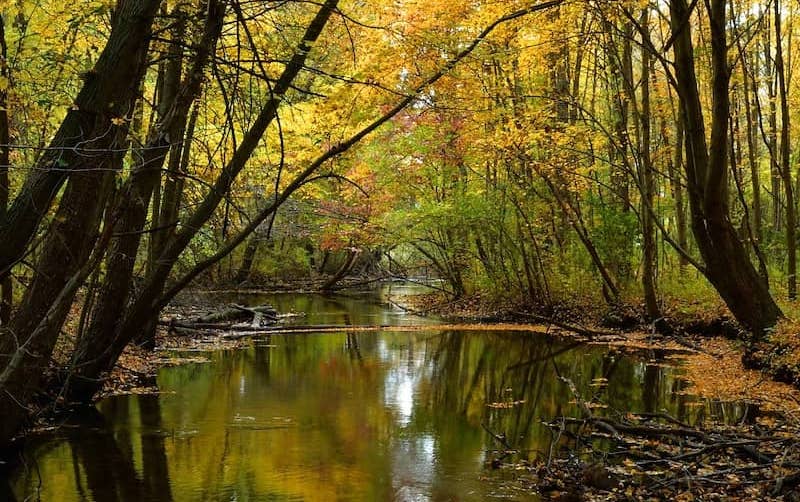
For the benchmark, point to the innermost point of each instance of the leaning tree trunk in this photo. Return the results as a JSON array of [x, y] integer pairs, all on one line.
[[728, 266], [344, 269], [85, 129], [27, 343], [6, 284], [175, 102], [70, 240]]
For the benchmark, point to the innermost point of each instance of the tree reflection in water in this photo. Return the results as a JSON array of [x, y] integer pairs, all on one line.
[[363, 416]]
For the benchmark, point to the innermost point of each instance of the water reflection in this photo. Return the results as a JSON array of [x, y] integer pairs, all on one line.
[[345, 416], [95, 457]]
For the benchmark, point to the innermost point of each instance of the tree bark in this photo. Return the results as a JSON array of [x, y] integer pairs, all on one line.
[[647, 184], [772, 138], [674, 165], [6, 284], [176, 100], [344, 269], [140, 312], [27, 344], [752, 144], [247, 260]]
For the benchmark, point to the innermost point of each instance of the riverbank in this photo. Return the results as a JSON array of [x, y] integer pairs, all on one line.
[[659, 457], [709, 356]]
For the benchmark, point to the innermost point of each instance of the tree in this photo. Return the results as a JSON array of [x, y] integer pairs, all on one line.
[[90, 143], [727, 265]]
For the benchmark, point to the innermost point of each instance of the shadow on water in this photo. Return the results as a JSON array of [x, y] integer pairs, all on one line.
[[344, 416]]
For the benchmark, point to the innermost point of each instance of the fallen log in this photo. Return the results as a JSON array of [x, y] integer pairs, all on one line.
[[250, 330], [589, 333], [237, 313]]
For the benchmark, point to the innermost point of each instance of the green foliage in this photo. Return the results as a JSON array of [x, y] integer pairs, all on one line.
[[283, 262]]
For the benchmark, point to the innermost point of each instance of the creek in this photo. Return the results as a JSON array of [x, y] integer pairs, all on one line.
[[344, 416]]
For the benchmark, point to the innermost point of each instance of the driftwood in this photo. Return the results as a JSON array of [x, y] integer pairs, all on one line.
[[233, 317], [249, 330], [237, 313]]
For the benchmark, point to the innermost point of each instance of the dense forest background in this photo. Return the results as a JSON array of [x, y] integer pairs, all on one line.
[[572, 152]]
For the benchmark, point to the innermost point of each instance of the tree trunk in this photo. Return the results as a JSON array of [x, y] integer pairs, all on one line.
[[675, 163], [176, 99], [26, 346], [772, 139], [169, 198], [70, 240], [647, 183], [728, 266], [86, 129], [620, 90], [140, 311], [610, 288], [6, 284], [752, 144], [785, 167], [341, 273], [247, 260]]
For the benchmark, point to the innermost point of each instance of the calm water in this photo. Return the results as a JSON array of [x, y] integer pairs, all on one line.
[[337, 416]]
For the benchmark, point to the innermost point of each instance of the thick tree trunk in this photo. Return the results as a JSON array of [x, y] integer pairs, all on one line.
[[86, 129], [6, 284], [728, 266], [71, 239], [27, 344]]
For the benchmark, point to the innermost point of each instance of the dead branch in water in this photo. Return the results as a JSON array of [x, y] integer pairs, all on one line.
[[590, 333], [663, 454]]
